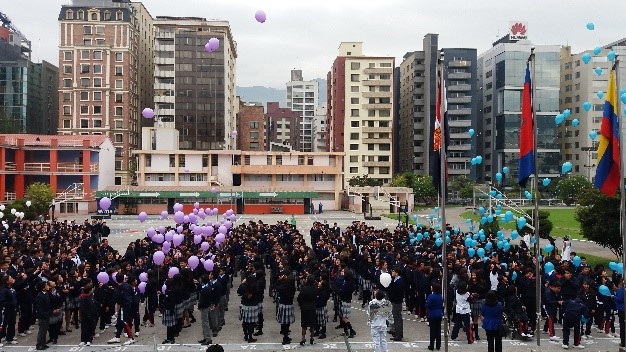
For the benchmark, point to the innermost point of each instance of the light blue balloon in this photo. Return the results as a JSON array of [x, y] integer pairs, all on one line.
[[499, 176], [488, 246], [620, 268], [548, 267], [504, 265], [492, 193], [559, 119], [415, 217], [480, 252], [447, 233], [521, 222], [514, 276], [546, 182], [419, 237], [500, 244], [567, 112], [575, 122], [471, 227], [482, 237], [490, 219], [471, 132], [528, 195], [431, 216], [481, 232], [437, 235], [473, 161], [499, 206], [514, 234], [586, 58], [447, 239], [597, 50], [474, 243], [498, 211], [533, 240], [505, 170], [475, 236], [577, 261], [566, 167], [611, 55], [612, 265], [438, 242], [499, 196], [507, 246], [481, 210], [623, 97], [593, 134], [548, 248], [508, 215], [471, 252], [587, 106], [600, 94], [436, 208], [598, 71], [412, 240], [468, 221], [456, 230], [500, 234], [591, 26], [604, 290], [479, 159]]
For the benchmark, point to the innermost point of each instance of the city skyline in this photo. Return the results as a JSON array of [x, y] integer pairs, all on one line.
[[267, 52]]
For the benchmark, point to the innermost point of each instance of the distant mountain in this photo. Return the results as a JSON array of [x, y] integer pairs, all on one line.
[[261, 94]]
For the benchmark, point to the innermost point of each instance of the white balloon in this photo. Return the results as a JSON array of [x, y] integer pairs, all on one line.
[[6, 226], [13, 211], [1, 215], [385, 279], [2, 207], [28, 203]]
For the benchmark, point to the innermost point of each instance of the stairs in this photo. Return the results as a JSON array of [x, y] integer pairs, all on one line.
[[76, 191]]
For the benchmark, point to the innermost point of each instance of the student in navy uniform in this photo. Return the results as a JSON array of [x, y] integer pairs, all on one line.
[[551, 300], [88, 310], [123, 299], [434, 308], [396, 297], [573, 311], [491, 313], [42, 307], [8, 304]]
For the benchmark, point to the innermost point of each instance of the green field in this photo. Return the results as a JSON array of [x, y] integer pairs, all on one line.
[[562, 220]]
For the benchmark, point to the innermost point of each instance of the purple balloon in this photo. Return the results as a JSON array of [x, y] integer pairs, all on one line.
[[169, 236], [196, 205], [147, 113], [158, 257], [193, 262], [164, 215], [229, 212], [163, 288], [197, 239], [260, 16], [233, 218], [158, 238], [151, 232], [103, 278], [222, 229], [197, 230], [195, 211], [162, 229], [166, 246], [208, 265], [105, 203], [214, 43], [205, 246], [142, 216], [228, 224], [178, 240], [142, 287], [207, 47], [220, 238], [179, 229], [209, 230], [215, 211], [173, 271], [234, 133], [186, 170], [143, 277], [201, 214], [178, 207], [213, 189], [192, 218], [179, 217]]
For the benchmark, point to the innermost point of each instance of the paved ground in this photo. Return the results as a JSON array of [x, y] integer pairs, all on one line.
[[127, 228]]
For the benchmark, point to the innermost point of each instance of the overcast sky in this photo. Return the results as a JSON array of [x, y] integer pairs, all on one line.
[[306, 34]]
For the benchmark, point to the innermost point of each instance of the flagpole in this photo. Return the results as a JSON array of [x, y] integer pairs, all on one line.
[[538, 292], [442, 199], [622, 203]]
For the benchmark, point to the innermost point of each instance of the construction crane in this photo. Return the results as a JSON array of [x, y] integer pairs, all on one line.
[[7, 23]]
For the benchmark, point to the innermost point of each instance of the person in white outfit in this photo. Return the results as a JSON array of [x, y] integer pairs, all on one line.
[[378, 314], [567, 249]]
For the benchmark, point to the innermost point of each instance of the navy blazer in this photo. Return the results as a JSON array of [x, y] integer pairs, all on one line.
[[434, 305], [492, 316]]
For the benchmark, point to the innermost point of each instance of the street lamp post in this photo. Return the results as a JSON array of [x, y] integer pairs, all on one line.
[[589, 165]]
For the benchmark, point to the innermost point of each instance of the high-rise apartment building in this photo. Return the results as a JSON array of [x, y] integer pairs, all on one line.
[[194, 88], [320, 132], [580, 84], [302, 98], [417, 104], [105, 64], [360, 106], [501, 71], [282, 128], [28, 90]]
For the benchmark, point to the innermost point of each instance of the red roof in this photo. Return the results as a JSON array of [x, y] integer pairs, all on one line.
[[44, 140]]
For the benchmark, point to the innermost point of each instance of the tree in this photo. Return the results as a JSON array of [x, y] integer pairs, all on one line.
[[424, 190], [599, 219], [545, 225], [41, 195], [364, 181], [569, 188], [463, 185], [406, 179], [491, 227]]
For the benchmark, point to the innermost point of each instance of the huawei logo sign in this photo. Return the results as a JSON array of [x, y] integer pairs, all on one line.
[[518, 29]]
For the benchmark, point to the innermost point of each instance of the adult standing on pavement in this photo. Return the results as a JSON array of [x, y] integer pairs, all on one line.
[[491, 312], [434, 308], [42, 304], [306, 300], [395, 292], [207, 303]]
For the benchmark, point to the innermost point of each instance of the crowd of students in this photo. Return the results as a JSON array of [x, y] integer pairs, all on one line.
[[64, 276]]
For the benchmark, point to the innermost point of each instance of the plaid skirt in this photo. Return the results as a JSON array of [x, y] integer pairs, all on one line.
[[367, 285], [56, 318], [322, 315], [476, 307], [179, 309], [72, 303], [345, 310], [191, 302], [285, 314], [249, 314], [169, 317]]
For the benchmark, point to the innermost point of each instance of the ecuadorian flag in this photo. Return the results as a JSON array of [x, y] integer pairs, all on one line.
[[608, 170], [527, 133]]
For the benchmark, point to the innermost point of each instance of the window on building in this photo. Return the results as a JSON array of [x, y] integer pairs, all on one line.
[[119, 57], [67, 83], [354, 89], [119, 97], [119, 70], [354, 158], [118, 124], [84, 95], [118, 111], [99, 29], [254, 135], [118, 165], [355, 65], [84, 68], [354, 147], [354, 136], [254, 124], [119, 84], [84, 109], [97, 110], [84, 82], [94, 16], [354, 123], [97, 123], [67, 69], [172, 160], [97, 96], [354, 112], [87, 30], [254, 145], [67, 96], [67, 55], [354, 100], [84, 54], [354, 170], [69, 14], [118, 181], [86, 42], [67, 123], [383, 170], [384, 113], [119, 16], [118, 138], [107, 15], [84, 123], [354, 77], [97, 69], [385, 147]]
